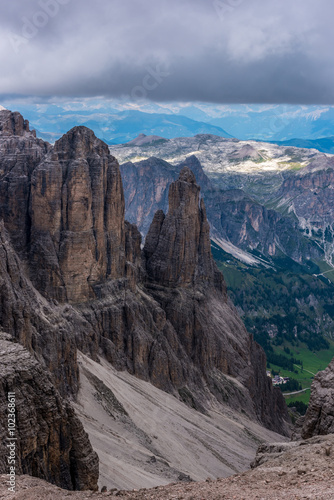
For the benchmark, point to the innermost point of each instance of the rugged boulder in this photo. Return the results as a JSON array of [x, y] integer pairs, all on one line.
[[319, 418], [50, 441]]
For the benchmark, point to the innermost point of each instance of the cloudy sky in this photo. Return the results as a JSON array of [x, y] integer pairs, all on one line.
[[220, 51]]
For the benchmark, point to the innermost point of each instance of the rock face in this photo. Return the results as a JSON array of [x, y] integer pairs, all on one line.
[[73, 276], [319, 418], [178, 255], [50, 440], [73, 201], [309, 191], [177, 247], [308, 194], [20, 153], [14, 124], [249, 225], [42, 327], [76, 209]]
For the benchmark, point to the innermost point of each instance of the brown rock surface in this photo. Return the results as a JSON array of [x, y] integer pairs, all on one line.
[[63, 207], [20, 153], [319, 418], [14, 124], [77, 218], [177, 247], [42, 327], [50, 441]]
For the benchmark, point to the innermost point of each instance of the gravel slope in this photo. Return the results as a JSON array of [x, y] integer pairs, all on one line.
[[305, 471]]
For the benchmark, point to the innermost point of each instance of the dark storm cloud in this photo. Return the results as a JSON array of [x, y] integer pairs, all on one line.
[[216, 50]]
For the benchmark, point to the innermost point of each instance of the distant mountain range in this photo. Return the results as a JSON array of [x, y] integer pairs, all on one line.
[[115, 127], [271, 123], [118, 122], [279, 123]]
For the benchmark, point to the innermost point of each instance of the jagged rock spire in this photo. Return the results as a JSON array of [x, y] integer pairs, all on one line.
[[177, 247]]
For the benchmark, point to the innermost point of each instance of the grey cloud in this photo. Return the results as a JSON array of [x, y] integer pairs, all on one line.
[[263, 51]]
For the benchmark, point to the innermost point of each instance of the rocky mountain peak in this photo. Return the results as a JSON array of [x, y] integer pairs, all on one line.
[[195, 166], [142, 140], [13, 123], [186, 175], [64, 209], [77, 208], [177, 246], [80, 142], [184, 194]]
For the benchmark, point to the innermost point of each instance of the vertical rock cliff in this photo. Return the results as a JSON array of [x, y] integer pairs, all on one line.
[[40, 326], [177, 247], [77, 218], [50, 441]]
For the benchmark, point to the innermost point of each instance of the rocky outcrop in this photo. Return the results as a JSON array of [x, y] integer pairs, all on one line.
[[14, 124], [177, 247], [319, 418], [20, 153], [64, 209], [142, 139], [50, 441], [146, 190], [246, 152], [146, 186], [76, 209]]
